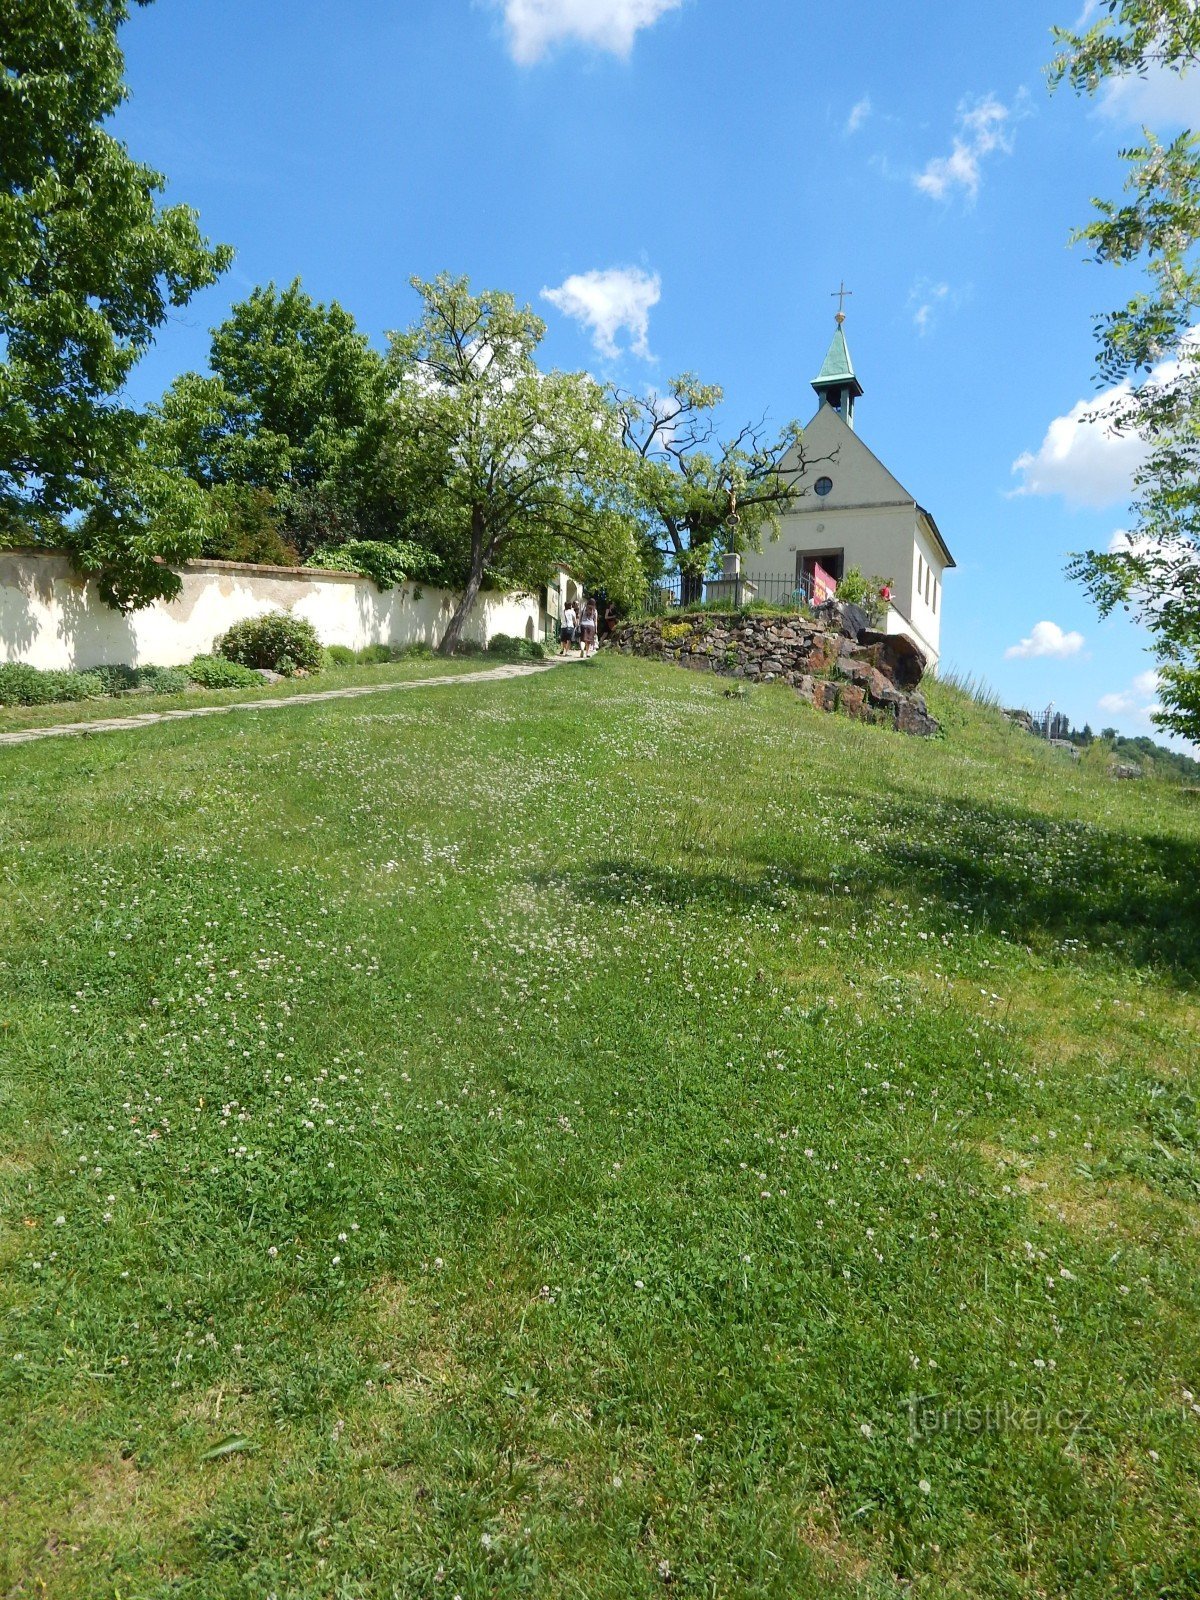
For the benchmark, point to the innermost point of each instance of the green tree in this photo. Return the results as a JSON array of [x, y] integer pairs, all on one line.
[[520, 468], [699, 495], [1149, 348], [294, 408], [90, 263]]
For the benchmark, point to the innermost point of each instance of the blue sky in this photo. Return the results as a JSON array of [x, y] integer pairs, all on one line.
[[690, 179]]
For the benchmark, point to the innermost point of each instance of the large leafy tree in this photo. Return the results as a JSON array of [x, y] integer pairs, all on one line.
[[1148, 347], [520, 467], [90, 264], [290, 419], [698, 494]]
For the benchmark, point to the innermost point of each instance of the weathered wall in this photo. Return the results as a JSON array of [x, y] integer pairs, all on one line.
[[872, 677], [50, 618]]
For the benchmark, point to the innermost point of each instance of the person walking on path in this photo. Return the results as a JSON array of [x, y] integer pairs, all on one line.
[[588, 628], [566, 633]]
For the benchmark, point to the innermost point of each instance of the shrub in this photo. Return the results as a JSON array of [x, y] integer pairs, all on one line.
[[117, 680], [416, 652], [340, 655], [164, 680], [468, 647], [385, 563], [214, 672], [675, 630], [277, 641], [374, 655], [866, 593], [512, 649], [142, 680], [28, 686]]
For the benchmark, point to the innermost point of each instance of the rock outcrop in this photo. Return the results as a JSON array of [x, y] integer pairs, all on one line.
[[831, 660]]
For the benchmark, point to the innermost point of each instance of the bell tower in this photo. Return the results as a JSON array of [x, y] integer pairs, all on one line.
[[836, 384]]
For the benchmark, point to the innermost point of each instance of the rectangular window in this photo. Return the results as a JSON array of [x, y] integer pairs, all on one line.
[[935, 596]]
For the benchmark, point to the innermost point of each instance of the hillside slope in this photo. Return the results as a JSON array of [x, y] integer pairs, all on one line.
[[590, 1136]]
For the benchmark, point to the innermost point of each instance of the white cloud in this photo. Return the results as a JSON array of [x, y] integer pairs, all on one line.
[[1161, 98], [1139, 700], [1125, 543], [1083, 457], [1116, 703], [859, 112], [1046, 639], [534, 27], [609, 302], [983, 127], [924, 299]]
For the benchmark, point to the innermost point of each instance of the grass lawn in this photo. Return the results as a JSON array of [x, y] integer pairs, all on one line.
[[135, 705], [584, 1136]]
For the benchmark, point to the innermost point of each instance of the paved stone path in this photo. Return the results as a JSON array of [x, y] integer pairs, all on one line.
[[147, 719]]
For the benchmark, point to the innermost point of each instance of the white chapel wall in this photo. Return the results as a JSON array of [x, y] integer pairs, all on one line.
[[50, 618]]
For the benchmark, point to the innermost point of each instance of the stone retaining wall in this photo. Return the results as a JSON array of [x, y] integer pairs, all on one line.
[[834, 663]]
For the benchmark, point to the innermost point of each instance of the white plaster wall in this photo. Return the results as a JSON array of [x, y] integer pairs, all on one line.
[[50, 618]]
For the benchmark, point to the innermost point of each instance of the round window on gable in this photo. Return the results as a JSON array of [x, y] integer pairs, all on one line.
[[823, 485]]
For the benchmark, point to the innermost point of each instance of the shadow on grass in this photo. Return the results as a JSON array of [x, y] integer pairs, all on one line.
[[1041, 880], [1136, 895]]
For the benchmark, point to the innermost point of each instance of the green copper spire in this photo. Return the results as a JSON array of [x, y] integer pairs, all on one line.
[[836, 383], [837, 366]]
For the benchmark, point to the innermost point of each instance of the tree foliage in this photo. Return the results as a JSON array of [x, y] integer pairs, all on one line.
[[697, 494], [293, 408], [90, 264], [518, 468], [1148, 346]]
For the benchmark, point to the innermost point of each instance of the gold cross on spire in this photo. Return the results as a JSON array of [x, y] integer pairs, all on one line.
[[841, 294]]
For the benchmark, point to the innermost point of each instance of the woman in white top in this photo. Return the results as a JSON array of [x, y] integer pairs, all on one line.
[[566, 633]]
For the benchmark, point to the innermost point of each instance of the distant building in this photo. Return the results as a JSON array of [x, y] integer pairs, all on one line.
[[854, 513]]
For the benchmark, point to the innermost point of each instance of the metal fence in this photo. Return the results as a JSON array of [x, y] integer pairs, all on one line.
[[679, 589]]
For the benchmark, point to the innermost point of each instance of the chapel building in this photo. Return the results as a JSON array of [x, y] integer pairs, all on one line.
[[854, 513]]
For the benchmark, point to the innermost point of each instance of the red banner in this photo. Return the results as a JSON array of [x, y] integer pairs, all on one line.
[[823, 586]]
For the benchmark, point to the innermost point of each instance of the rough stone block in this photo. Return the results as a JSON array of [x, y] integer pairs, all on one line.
[[852, 700], [804, 686], [856, 671], [900, 658], [910, 720], [881, 690]]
